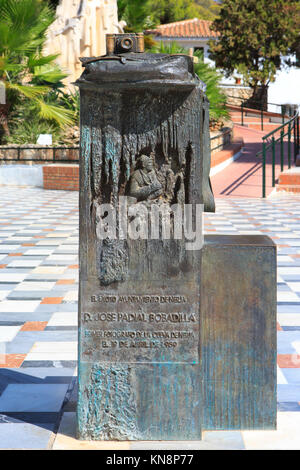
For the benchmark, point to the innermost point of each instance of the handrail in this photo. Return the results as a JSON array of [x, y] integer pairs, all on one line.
[[278, 128], [292, 126], [261, 110], [257, 101]]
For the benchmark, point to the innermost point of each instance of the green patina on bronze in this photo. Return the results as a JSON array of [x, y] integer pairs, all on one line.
[[238, 332]]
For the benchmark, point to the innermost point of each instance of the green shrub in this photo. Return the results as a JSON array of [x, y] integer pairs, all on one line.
[[29, 76], [208, 74], [212, 78]]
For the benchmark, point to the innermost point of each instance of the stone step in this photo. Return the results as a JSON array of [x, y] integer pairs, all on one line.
[[288, 188], [289, 181], [290, 177]]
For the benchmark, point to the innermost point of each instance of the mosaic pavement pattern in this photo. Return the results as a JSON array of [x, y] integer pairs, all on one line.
[[38, 313]]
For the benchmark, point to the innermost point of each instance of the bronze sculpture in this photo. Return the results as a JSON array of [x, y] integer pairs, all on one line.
[[143, 183]]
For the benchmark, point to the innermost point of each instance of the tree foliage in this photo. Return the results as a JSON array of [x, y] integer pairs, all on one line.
[[295, 47], [136, 13], [168, 11], [253, 36], [29, 76], [140, 15]]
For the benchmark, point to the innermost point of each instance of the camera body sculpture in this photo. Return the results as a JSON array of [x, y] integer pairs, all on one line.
[[120, 43]]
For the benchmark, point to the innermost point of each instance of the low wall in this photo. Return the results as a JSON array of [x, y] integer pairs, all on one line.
[[289, 181], [235, 94], [33, 154], [21, 175], [37, 154], [55, 167], [61, 176], [30, 165], [220, 139], [220, 160]]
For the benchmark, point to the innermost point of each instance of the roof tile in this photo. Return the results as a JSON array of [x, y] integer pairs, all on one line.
[[188, 28]]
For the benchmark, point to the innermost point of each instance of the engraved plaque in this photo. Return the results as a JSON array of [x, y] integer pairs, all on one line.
[[153, 327]]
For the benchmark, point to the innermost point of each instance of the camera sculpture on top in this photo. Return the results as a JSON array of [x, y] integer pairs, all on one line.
[[120, 43]]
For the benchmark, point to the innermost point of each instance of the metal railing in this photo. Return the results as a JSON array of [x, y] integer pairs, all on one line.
[[54, 158], [270, 141], [222, 136], [260, 109]]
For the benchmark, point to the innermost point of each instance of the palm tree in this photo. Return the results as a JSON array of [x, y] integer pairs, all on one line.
[[208, 74], [26, 73]]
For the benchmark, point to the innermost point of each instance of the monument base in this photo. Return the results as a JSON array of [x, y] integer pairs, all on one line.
[[139, 402], [238, 332], [233, 387]]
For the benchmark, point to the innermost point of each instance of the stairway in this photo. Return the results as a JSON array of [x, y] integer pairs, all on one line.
[[243, 177], [252, 118]]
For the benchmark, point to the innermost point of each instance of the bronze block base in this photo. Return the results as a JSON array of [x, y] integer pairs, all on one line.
[[238, 332]]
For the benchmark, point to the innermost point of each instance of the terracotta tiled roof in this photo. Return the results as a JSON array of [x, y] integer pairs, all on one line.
[[185, 29]]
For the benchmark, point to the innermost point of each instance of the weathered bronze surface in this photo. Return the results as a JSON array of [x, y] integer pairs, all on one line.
[[151, 312], [143, 183], [238, 332], [144, 135]]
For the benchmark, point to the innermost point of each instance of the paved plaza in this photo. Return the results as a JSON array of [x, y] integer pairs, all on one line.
[[38, 319]]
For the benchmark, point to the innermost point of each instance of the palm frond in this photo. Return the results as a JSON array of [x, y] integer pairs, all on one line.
[[63, 117], [24, 132], [23, 25], [172, 48], [49, 73], [38, 61], [33, 81], [30, 91]]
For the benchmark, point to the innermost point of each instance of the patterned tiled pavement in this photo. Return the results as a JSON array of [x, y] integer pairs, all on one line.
[[38, 311], [38, 317]]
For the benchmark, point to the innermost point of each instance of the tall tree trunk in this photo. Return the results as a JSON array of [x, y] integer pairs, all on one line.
[[259, 98], [4, 109]]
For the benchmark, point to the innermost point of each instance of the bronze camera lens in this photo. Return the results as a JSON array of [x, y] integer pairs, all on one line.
[[126, 44]]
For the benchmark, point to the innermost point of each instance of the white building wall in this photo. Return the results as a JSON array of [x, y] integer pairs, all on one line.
[[286, 88], [79, 31]]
